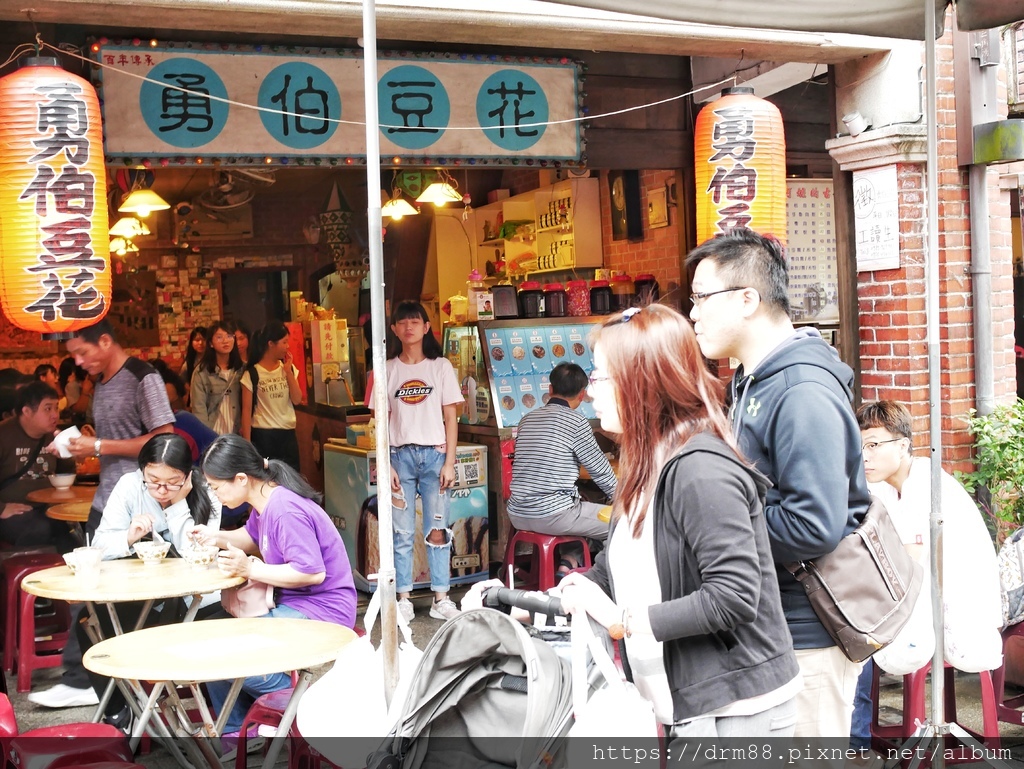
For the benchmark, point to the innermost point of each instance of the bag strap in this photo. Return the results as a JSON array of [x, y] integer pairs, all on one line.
[[582, 639], [373, 610], [31, 461]]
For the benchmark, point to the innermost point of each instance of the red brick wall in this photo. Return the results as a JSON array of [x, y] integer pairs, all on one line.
[[894, 353], [658, 252]]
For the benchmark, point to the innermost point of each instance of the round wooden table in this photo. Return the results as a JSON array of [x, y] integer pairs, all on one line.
[[72, 512], [129, 579], [216, 650], [52, 496]]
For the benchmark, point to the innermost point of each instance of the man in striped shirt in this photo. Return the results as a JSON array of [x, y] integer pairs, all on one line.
[[551, 444]]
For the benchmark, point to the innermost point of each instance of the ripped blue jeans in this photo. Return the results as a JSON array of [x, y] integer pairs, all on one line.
[[419, 472]]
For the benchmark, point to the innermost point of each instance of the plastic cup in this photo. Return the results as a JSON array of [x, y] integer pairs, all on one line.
[[87, 565]]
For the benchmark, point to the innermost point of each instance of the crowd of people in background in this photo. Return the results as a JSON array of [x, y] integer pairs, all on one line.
[[170, 461], [719, 487]]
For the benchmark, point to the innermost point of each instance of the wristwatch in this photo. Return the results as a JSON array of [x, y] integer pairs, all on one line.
[[96, 446]]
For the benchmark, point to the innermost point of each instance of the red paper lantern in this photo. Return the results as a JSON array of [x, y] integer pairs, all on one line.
[[740, 166], [55, 272]]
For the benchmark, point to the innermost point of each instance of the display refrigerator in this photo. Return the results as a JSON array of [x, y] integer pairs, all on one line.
[[503, 368], [350, 493]]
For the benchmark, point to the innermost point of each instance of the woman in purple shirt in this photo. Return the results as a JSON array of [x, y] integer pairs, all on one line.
[[288, 542]]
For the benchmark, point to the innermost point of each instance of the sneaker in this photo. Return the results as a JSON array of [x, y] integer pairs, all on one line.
[[405, 608], [444, 609], [254, 743], [124, 720], [64, 696]]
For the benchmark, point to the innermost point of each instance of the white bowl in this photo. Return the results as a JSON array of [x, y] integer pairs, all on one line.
[[151, 552], [62, 481], [200, 556]]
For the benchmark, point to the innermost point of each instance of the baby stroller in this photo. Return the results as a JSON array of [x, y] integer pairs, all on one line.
[[487, 693]]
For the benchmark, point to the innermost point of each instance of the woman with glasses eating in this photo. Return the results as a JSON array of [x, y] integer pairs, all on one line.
[[167, 497]]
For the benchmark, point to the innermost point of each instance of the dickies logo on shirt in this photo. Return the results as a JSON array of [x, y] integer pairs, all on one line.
[[413, 391]]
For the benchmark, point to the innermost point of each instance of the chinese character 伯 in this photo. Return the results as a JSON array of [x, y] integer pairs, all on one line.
[[310, 113]]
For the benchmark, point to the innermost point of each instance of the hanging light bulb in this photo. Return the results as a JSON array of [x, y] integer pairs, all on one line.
[[143, 203], [129, 227], [443, 191], [398, 207], [123, 247]]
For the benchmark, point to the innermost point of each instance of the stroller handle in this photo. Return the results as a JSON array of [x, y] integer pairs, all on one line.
[[540, 603]]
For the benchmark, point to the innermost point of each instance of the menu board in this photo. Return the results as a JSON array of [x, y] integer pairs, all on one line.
[[504, 366], [811, 251]]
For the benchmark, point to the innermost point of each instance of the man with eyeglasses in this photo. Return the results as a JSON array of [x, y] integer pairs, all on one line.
[[790, 407]]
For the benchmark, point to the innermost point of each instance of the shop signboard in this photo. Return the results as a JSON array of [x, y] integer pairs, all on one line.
[[188, 103], [811, 251]]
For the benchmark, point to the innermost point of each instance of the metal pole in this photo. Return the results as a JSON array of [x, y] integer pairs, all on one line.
[[386, 572], [938, 675]]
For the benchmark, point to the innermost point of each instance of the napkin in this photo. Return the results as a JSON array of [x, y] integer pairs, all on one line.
[[63, 438]]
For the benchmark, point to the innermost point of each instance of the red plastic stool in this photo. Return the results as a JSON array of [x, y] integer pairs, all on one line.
[[15, 569], [885, 738], [537, 572], [266, 710], [1008, 709], [42, 650]]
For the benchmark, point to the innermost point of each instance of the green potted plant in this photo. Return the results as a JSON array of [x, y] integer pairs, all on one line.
[[999, 456]]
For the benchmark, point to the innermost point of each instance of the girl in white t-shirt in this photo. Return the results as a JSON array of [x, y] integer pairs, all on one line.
[[268, 413], [423, 401]]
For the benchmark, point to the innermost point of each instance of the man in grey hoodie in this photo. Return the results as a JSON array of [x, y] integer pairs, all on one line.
[[790, 406]]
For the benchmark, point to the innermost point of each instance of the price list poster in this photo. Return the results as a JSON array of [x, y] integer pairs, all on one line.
[[811, 251]]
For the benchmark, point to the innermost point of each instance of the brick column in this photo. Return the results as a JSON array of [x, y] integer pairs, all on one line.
[[893, 345]]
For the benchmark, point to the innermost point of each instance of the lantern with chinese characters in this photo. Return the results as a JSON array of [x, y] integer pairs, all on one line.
[[740, 166], [55, 273]]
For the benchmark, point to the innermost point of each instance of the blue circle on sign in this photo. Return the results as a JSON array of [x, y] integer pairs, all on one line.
[[309, 94], [184, 119], [506, 104], [414, 104]]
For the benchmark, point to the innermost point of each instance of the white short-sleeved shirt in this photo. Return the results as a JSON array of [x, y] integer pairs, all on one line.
[[416, 397], [274, 410]]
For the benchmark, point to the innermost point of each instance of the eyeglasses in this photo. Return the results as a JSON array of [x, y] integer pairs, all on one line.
[[698, 299], [869, 448], [153, 486], [595, 379]]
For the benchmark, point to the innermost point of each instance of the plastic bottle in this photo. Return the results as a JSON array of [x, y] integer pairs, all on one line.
[[578, 297], [531, 300], [458, 308], [554, 300], [600, 298], [479, 297], [623, 293], [647, 289]]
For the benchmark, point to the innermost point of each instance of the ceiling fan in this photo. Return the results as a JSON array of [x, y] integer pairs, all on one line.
[[234, 189]]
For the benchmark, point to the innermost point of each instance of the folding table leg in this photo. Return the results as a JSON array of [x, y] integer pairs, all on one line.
[[287, 718]]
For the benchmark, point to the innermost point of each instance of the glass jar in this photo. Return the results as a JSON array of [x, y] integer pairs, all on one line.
[[531, 300], [647, 289], [554, 300], [578, 297], [623, 293], [600, 298]]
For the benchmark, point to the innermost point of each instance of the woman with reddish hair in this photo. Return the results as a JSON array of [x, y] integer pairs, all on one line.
[[687, 575]]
